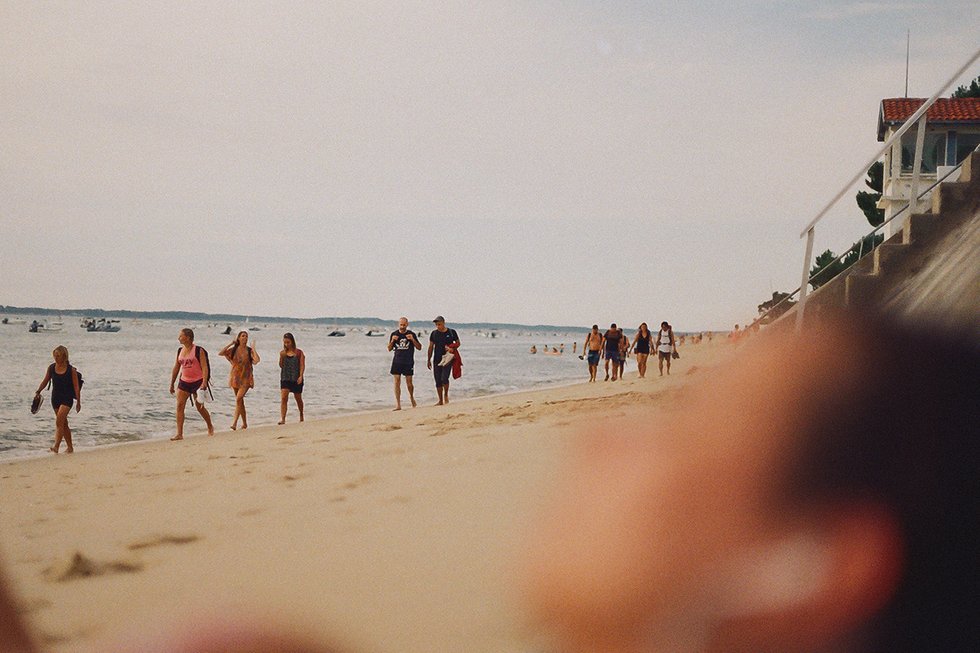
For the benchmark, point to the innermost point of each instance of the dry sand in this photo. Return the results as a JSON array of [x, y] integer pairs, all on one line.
[[396, 532]]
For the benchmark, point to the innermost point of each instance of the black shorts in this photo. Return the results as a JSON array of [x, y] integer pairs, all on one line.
[[61, 400], [190, 387], [664, 355], [292, 386], [612, 356], [404, 369], [441, 374]]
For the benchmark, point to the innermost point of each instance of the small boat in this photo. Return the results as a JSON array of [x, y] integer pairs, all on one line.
[[7, 320], [103, 325], [336, 334], [374, 334], [39, 327]]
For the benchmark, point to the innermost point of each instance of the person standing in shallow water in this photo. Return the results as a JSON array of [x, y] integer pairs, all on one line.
[[404, 343], [439, 340], [292, 368], [193, 370], [65, 390], [241, 379]]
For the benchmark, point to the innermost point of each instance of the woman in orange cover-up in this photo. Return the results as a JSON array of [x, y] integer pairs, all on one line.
[[242, 358]]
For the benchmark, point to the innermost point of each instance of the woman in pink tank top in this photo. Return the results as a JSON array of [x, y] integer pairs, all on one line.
[[192, 367]]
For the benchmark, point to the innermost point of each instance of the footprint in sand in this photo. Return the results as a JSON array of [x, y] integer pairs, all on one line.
[[162, 540], [390, 427], [81, 566]]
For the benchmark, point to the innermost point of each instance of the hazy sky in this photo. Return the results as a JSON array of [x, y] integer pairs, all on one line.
[[532, 162]]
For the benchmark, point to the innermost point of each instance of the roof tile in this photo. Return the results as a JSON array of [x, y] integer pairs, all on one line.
[[897, 110]]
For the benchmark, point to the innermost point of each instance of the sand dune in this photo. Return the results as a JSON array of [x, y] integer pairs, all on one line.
[[392, 531]]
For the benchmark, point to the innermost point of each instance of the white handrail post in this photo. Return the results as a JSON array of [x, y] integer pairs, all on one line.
[[920, 139], [806, 279]]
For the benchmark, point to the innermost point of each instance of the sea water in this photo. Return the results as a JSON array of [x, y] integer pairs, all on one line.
[[127, 376]]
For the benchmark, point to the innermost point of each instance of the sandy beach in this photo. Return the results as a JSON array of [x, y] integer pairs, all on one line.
[[394, 532]]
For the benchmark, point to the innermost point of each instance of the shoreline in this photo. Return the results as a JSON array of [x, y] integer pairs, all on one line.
[[45, 453], [392, 531]]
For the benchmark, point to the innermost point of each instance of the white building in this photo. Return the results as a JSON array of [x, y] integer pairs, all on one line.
[[952, 131]]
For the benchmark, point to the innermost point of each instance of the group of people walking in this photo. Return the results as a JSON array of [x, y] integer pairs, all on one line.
[[615, 347], [192, 376], [190, 379]]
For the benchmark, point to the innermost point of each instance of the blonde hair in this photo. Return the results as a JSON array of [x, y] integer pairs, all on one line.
[[60, 352]]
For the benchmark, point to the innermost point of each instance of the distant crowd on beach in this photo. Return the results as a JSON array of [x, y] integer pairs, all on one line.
[[615, 348]]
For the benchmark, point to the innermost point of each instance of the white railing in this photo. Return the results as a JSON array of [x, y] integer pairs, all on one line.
[[918, 117]]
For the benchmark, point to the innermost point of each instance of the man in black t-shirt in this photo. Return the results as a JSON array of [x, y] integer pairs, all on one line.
[[404, 343], [438, 341]]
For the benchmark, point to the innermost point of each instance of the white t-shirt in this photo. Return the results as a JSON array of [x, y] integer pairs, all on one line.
[[663, 341]]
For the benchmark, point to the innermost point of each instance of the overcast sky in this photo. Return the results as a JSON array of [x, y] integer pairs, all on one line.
[[531, 162]]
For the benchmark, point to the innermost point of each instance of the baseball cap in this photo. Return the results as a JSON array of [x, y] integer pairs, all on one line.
[[438, 319]]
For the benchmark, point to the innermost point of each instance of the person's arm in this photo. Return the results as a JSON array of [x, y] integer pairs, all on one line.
[[428, 356], [282, 355], [226, 351], [255, 355], [175, 372], [44, 381], [302, 365], [415, 341], [78, 389], [391, 341]]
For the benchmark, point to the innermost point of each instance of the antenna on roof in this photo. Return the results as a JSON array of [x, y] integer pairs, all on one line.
[[908, 41]]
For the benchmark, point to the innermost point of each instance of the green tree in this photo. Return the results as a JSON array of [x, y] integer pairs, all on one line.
[[826, 266], [773, 308], [868, 202], [973, 90]]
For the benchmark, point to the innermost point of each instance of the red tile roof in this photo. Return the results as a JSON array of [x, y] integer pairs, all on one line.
[[898, 110]]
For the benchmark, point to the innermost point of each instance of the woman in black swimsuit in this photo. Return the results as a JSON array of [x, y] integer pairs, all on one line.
[[641, 347], [65, 390]]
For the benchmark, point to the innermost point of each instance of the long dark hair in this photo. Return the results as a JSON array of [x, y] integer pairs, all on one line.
[[238, 340], [288, 336]]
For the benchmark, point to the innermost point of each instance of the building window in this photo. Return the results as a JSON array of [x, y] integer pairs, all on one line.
[[965, 143], [933, 151]]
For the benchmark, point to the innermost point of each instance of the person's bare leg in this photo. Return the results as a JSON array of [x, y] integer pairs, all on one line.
[[207, 417], [181, 405], [283, 401], [607, 369], [439, 392], [398, 391], [411, 390], [445, 393], [69, 448], [241, 400], [299, 404], [234, 422], [668, 365], [660, 363]]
